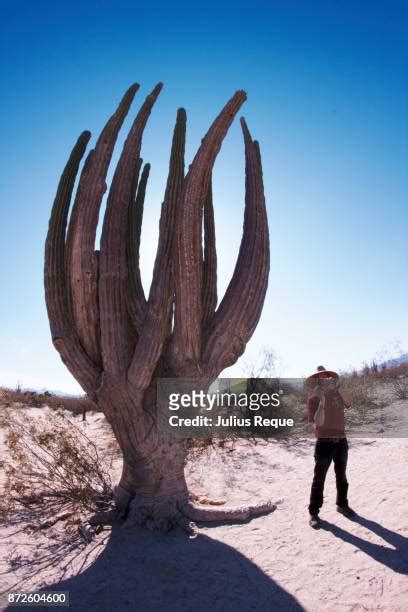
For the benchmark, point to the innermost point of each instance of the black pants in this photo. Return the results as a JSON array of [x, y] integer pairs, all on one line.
[[325, 452]]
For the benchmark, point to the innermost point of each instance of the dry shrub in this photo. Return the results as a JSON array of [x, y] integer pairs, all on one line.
[[386, 372], [362, 390], [75, 405], [197, 447], [397, 379], [364, 387], [400, 369], [399, 387], [52, 472]]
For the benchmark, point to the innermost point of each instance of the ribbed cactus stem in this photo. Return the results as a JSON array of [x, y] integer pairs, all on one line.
[[63, 332], [116, 338], [152, 337], [186, 342], [235, 320], [136, 301], [209, 292], [81, 261]]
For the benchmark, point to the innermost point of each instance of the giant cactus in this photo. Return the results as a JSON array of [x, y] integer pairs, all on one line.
[[115, 340]]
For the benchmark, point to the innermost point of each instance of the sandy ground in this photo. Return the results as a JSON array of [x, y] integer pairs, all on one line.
[[274, 562]]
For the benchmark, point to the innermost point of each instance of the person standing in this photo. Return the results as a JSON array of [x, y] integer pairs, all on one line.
[[326, 405]]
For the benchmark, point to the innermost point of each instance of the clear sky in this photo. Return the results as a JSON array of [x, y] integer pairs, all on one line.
[[327, 98]]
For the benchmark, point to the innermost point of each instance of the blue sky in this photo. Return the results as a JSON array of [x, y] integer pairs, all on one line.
[[327, 98]]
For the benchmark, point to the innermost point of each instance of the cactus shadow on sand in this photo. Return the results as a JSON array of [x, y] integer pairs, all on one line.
[[144, 571]]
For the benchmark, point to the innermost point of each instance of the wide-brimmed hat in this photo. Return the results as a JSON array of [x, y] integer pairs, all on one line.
[[321, 372]]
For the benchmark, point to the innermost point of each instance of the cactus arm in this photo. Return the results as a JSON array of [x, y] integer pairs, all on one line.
[[117, 341], [237, 316], [156, 323], [81, 263], [209, 290], [135, 297], [64, 336], [186, 341]]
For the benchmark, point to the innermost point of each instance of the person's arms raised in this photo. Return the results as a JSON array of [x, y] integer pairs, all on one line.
[[346, 397]]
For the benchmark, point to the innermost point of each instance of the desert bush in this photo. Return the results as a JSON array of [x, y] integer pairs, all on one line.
[[75, 405], [399, 387], [362, 390], [397, 371], [396, 379], [53, 471], [197, 447]]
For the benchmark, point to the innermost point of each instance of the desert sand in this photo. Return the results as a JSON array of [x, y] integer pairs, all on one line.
[[273, 562]]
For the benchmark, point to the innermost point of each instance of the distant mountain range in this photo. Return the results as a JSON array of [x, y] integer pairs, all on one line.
[[52, 391]]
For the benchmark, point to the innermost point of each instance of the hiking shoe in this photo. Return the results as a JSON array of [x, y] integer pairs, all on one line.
[[346, 511], [314, 521]]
